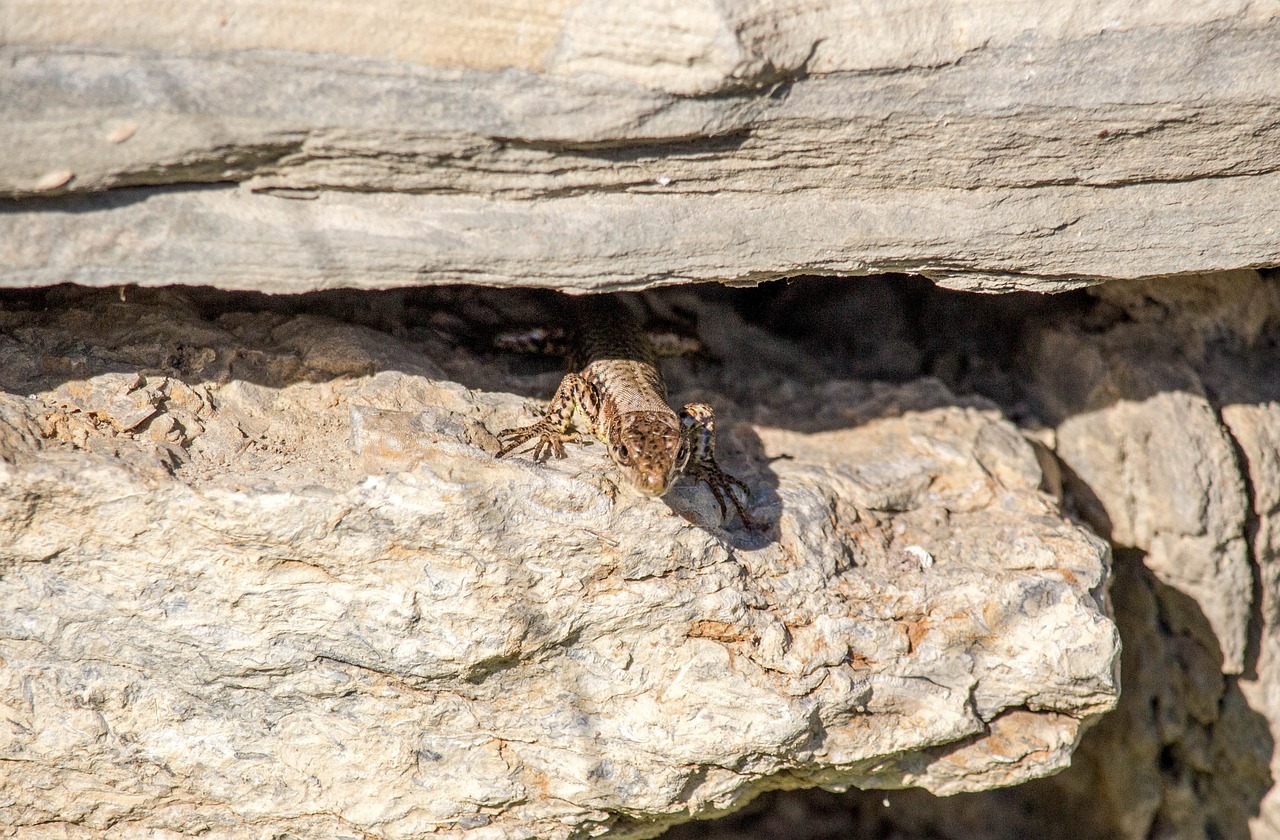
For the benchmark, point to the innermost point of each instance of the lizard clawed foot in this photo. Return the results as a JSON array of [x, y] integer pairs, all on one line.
[[551, 440], [722, 486]]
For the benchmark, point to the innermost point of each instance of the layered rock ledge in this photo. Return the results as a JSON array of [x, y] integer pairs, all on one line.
[[260, 574], [610, 145]]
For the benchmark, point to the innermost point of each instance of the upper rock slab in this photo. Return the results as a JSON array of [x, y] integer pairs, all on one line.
[[606, 145], [695, 47]]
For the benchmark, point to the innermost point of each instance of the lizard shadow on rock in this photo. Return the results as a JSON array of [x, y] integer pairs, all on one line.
[[546, 318], [764, 505]]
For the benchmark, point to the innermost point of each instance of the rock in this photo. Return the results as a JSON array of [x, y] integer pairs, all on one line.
[[1183, 756], [1177, 496], [1163, 397], [324, 607], [1256, 430], [123, 400], [1151, 464], [609, 145]]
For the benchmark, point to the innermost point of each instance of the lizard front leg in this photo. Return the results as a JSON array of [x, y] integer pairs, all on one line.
[[698, 422], [552, 431]]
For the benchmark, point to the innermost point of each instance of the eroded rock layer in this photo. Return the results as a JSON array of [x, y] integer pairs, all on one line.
[[606, 145]]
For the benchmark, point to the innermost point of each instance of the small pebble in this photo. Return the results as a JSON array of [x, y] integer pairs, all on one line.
[[53, 180], [121, 132]]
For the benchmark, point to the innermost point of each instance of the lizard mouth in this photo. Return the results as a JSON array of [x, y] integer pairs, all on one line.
[[651, 485]]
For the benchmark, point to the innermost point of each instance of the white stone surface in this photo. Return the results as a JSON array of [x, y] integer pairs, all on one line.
[[300, 594]]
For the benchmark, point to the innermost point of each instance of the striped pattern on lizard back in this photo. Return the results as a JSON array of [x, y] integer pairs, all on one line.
[[614, 382]]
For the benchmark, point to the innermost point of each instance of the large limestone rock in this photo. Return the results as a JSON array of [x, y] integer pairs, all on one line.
[[262, 573], [1256, 427], [605, 145]]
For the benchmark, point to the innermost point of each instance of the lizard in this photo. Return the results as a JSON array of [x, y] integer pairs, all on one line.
[[615, 383]]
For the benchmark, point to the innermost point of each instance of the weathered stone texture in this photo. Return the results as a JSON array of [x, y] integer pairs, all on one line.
[[1256, 428], [607, 145], [263, 573], [1153, 460], [1171, 444], [1155, 469], [1163, 402], [223, 408]]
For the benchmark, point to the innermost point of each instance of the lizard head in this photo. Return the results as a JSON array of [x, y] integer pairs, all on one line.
[[650, 450]]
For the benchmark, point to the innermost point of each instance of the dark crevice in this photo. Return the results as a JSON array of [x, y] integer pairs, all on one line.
[[633, 149], [206, 167], [99, 202]]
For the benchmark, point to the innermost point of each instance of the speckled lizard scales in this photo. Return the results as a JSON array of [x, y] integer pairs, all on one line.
[[616, 384]]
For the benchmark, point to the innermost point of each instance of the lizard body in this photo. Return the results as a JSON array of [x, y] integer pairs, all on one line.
[[615, 383]]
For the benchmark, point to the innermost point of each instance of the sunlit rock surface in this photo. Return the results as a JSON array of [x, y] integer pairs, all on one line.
[[606, 145], [261, 571]]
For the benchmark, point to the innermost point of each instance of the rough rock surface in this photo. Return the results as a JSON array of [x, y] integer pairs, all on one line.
[[1216, 737], [606, 145], [1191, 751], [1256, 428], [262, 573], [1116, 399]]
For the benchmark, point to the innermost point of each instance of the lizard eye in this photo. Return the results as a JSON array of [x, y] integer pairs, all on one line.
[[624, 455]]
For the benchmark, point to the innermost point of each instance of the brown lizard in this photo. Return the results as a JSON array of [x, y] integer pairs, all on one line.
[[614, 382]]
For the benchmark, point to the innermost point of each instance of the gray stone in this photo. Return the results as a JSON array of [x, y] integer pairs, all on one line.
[[1150, 462], [589, 147]]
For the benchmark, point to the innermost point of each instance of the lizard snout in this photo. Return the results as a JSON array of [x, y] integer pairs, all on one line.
[[651, 484]]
